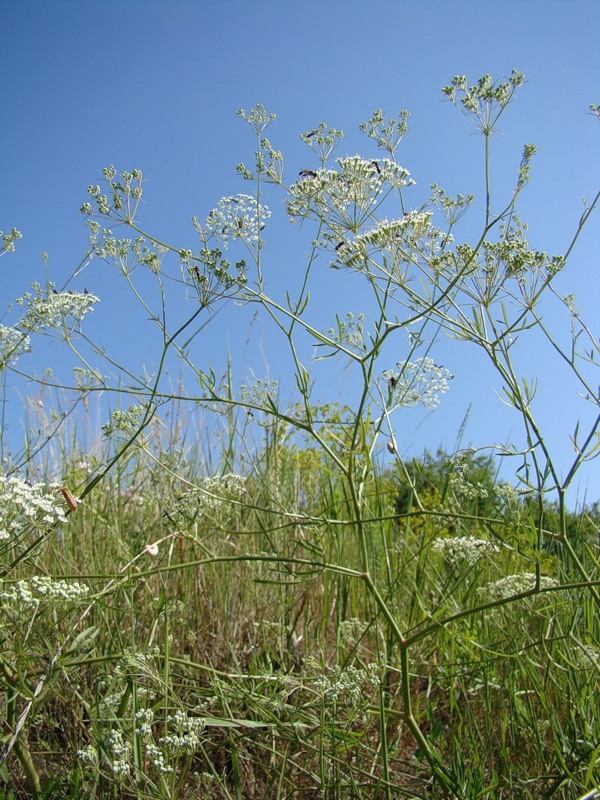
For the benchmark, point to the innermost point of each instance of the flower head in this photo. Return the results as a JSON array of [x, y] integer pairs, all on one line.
[[52, 309], [419, 382], [23, 504], [13, 342], [464, 551], [346, 197], [239, 217]]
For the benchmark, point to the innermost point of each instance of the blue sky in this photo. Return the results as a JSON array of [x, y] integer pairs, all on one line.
[[156, 85]]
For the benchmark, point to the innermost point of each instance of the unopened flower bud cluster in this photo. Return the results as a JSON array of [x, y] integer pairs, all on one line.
[[123, 422], [459, 479], [350, 331], [8, 241]]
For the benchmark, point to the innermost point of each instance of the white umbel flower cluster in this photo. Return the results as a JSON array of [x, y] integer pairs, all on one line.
[[239, 217], [463, 552], [43, 589], [417, 383], [23, 504], [213, 495], [516, 584], [51, 309], [348, 196], [13, 342]]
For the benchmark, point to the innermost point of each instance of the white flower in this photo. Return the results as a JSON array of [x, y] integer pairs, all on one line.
[[212, 495], [239, 217], [23, 504], [464, 551], [516, 584], [13, 342], [52, 309], [345, 198], [417, 382], [43, 589]]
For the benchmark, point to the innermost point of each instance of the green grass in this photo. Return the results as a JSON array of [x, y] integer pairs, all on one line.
[[255, 615]]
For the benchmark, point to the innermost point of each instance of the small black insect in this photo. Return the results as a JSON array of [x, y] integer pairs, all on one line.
[[393, 381], [307, 173], [339, 246], [377, 167]]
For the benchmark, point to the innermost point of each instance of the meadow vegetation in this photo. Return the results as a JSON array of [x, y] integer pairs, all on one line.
[[222, 595]]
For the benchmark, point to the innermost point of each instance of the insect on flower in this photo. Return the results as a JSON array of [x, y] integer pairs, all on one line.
[[69, 498], [339, 246], [307, 173], [377, 167], [393, 381]]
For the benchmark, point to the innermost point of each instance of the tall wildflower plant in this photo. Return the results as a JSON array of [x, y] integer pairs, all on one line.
[[414, 602], [423, 281]]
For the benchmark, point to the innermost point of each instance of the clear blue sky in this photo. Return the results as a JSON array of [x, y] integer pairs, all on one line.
[[156, 85]]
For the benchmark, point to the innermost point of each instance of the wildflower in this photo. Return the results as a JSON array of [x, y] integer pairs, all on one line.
[[348, 685], [464, 552], [43, 589], [185, 735], [88, 755], [8, 241], [124, 422], [346, 197], [459, 478], [144, 719], [419, 382], [13, 342], [120, 751], [158, 758], [258, 118], [349, 332], [240, 217], [212, 495], [516, 584], [262, 392], [23, 504], [52, 309]]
